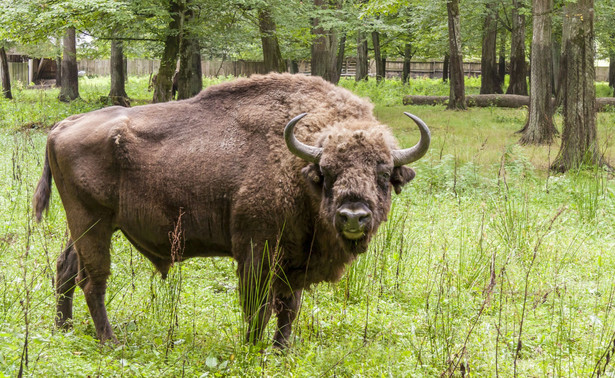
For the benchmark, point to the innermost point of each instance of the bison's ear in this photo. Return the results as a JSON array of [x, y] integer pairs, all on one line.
[[314, 177], [400, 177]]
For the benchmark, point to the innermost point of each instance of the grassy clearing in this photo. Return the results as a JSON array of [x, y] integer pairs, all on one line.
[[487, 265]]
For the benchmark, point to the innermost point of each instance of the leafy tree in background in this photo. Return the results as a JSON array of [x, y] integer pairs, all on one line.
[[605, 35], [518, 68], [489, 69], [457, 99]]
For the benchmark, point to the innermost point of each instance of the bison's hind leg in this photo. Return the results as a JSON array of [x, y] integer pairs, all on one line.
[[92, 245], [67, 266]]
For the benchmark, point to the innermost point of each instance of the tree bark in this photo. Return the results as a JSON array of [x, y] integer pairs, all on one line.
[[117, 94], [70, 75], [380, 70], [324, 49], [457, 86], [579, 135], [445, 67], [502, 62], [190, 75], [518, 68], [489, 69], [58, 71], [539, 128], [362, 58], [405, 74], [339, 59], [556, 55], [6, 78], [612, 69], [163, 84], [272, 56]]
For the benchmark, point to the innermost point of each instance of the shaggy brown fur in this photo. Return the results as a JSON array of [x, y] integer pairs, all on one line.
[[221, 159]]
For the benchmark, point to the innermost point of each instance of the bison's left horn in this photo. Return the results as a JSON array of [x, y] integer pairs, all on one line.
[[305, 152], [408, 155]]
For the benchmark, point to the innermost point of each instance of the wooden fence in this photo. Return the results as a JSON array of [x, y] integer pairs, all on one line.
[[140, 67], [18, 71], [144, 67]]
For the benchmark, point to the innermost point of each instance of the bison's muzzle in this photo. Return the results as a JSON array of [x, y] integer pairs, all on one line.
[[353, 220]]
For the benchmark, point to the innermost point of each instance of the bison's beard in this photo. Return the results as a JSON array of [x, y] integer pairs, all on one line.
[[355, 246]]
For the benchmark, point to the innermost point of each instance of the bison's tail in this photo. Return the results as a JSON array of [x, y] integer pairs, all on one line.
[[40, 202]]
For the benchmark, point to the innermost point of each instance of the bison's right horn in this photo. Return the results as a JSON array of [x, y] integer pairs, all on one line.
[[305, 152], [408, 155]]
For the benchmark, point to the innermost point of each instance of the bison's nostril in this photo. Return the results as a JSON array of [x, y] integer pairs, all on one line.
[[353, 217]]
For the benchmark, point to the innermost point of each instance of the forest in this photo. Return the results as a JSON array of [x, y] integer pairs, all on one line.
[[498, 259]]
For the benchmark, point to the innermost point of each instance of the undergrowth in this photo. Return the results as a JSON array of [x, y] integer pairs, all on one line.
[[488, 266]]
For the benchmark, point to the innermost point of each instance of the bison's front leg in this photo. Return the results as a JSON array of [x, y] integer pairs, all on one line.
[[254, 295], [287, 309]]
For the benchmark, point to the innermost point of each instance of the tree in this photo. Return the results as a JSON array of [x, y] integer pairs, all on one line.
[[70, 76], [539, 128], [489, 69], [324, 47], [6, 78], [518, 69], [272, 56], [163, 85], [408, 53], [190, 75], [380, 64], [362, 57], [117, 93], [579, 136], [457, 98]]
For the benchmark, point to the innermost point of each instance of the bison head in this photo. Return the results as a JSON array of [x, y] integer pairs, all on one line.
[[353, 169]]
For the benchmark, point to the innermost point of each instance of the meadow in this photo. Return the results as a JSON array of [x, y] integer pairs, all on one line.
[[489, 265]]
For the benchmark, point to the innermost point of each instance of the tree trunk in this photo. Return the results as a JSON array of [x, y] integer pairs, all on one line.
[[190, 76], [163, 85], [556, 56], [539, 128], [405, 73], [489, 68], [502, 62], [269, 38], [457, 86], [294, 66], [445, 67], [612, 68], [579, 135], [6, 78], [117, 94], [518, 68], [362, 71], [70, 75], [378, 56], [324, 48], [339, 59], [58, 83]]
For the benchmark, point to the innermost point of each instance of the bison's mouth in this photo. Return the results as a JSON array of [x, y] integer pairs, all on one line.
[[353, 235]]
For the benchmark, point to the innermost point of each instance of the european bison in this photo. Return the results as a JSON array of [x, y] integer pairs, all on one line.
[[290, 213]]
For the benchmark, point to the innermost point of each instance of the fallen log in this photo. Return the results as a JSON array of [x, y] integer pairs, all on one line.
[[497, 100]]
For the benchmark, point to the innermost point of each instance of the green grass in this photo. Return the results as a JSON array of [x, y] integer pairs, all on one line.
[[482, 250]]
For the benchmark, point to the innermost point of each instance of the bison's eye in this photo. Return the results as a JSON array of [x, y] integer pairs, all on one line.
[[385, 176]]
